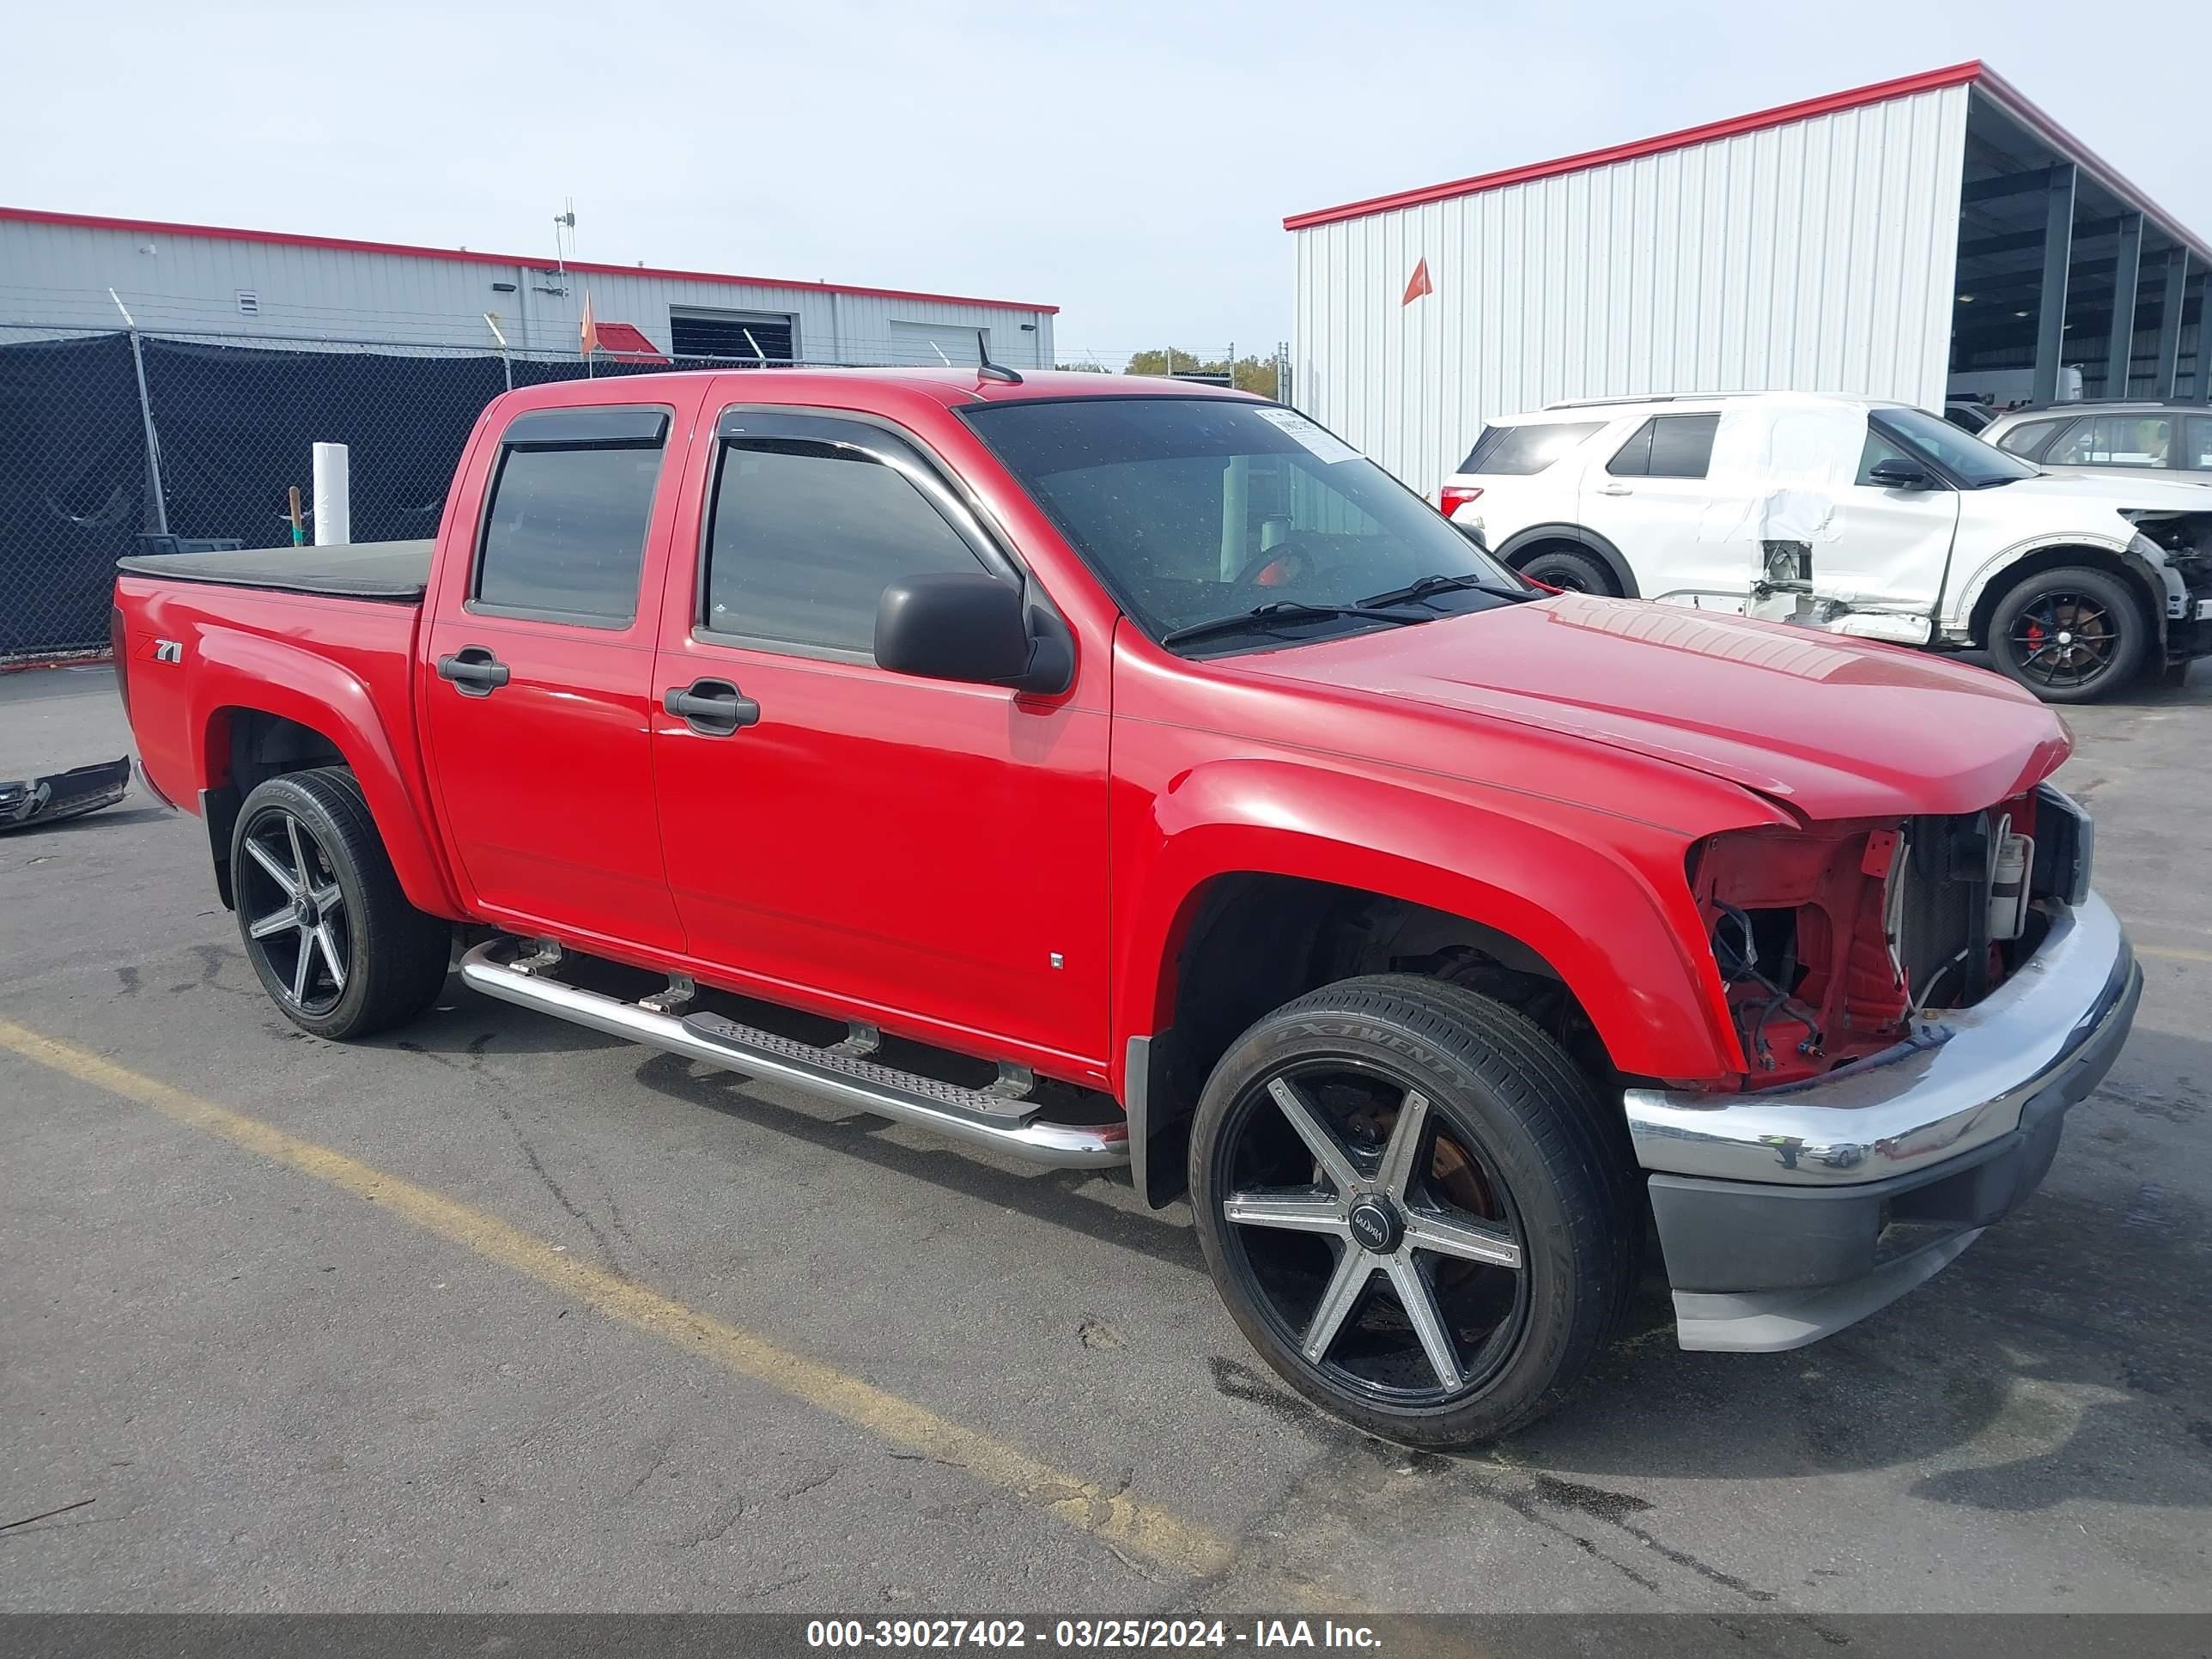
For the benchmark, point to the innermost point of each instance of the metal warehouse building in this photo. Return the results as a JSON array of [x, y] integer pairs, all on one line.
[[56, 270], [1934, 234], [196, 418]]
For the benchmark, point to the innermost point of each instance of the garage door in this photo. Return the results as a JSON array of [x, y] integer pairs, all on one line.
[[745, 336], [936, 344]]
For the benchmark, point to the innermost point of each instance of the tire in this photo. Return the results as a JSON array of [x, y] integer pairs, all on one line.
[[1514, 1158], [342, 953], [2071, 634], [1572, 569]]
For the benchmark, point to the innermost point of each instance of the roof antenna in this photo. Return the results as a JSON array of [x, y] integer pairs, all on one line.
[[989, 370]]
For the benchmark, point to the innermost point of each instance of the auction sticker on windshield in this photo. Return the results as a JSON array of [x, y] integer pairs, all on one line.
[[1295, 425]]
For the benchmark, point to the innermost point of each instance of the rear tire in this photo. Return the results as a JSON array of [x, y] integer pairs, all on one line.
[[1573, 570], [2072, 634], [1437, 1284], [330, 934]]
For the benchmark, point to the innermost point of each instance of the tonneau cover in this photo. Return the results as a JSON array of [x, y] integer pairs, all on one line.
[[393, 571]]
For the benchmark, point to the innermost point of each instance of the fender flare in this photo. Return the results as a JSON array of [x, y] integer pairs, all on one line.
[[1989, 577], [249, 672], [1619, 939], [1521, 540]]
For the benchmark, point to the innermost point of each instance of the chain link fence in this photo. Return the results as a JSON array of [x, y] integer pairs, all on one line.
[[73, 489], [107, 436]]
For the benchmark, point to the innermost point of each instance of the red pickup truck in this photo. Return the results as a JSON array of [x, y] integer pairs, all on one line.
[[1104, 770]]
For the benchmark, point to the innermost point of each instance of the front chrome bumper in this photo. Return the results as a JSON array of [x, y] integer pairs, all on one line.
[[1959, 1083], [1788, 1214]]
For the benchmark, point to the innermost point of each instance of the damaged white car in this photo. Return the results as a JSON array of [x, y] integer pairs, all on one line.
[[1871, 518]]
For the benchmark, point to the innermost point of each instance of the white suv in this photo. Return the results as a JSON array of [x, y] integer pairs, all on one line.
[[1871, 518]]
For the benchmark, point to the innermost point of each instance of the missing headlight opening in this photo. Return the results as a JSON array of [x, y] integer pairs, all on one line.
[[1831, 942]]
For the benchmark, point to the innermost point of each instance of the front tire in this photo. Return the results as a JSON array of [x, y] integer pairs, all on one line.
[[2072, 634], [331, 935], [1407, 1196]]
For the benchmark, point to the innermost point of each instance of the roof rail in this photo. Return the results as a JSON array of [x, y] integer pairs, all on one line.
[[1649, 397], [2098, 403]]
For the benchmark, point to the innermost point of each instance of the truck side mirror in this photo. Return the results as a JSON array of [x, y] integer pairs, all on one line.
[[1895, 474], [969, 627]]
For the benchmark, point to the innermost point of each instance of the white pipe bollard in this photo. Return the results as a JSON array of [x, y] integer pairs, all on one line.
[[334, 495]]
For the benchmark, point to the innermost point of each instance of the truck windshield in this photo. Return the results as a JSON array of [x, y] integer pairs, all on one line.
[[1193, 510], [1975, 464]]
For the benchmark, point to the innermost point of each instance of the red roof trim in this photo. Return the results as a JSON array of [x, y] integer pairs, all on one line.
[[468, 256], [1957, 75]]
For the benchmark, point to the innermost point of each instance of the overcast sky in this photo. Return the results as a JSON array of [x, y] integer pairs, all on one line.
[[1129, 162]]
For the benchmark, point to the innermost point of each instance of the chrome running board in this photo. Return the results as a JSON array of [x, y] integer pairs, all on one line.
[[978, 1117]]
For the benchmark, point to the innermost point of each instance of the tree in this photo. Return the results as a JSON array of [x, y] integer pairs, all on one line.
[[1255, 374]]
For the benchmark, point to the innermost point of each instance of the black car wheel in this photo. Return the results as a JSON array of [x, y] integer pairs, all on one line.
[[1407, 1199], [1573, 570], [2071, 634], [332, 937]]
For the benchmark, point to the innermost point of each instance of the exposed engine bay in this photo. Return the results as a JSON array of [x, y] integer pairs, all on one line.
[[1832, 942], [2180, 536]]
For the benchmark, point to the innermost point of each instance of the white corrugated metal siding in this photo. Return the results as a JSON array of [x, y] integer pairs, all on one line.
[[58, 274], [1815, 256]]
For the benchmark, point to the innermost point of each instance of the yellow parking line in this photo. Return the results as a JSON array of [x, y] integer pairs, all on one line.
[[2174, 952], [1141, 1529]]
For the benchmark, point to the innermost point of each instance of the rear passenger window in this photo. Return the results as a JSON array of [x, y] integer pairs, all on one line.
[[1521, 450], [1682, 445], [564, 537], [2028, 438], [2116, 441], [1668, 446], [807, 534]]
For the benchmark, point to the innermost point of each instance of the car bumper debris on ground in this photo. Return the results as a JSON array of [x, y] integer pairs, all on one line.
[[59, 795]]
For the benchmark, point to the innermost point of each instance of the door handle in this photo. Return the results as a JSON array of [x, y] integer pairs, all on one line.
[[1615, 490], [712, 708], [474, 671]]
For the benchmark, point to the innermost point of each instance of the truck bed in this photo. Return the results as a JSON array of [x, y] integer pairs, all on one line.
[[395, 572]]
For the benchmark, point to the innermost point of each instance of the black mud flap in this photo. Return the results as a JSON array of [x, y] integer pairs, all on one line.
[[59, 795]]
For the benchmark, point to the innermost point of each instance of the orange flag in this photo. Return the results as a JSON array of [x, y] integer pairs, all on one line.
[[1420, 285], [591, 329]]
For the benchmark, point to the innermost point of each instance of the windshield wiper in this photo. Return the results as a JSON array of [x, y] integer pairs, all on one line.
[[1422, 587], [1261, 618]]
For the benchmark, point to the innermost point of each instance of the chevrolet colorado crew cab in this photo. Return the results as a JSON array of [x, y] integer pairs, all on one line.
[[1871, 519], [1111, 771]]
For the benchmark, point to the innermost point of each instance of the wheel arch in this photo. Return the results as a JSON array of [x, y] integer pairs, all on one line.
[[265, 708], [1524, 545], [2001, 576], [1240, 913]]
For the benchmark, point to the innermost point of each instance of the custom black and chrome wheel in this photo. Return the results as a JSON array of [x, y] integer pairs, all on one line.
[[332, 937], [293, 911], [2071, 635], [1408, 1202]]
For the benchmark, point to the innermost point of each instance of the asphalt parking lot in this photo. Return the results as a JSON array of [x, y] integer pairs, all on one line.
[[496, 1314]]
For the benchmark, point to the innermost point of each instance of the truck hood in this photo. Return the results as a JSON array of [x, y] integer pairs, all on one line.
[[1833, 727], [2119, 490]]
